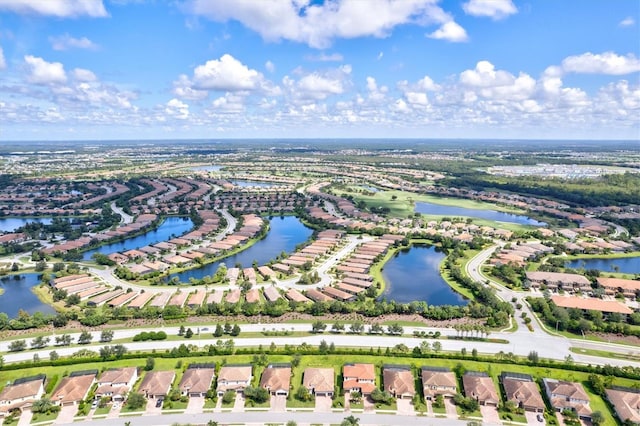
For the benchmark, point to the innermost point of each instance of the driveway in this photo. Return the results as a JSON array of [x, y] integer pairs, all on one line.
[[278, 403], [369, 405], [116, 407], [151, 409], [323, 404], [405, 407], [25, 418], [238, 405], [533, 420], [195, 405], [490, 414], [452, 413], [66, 414]]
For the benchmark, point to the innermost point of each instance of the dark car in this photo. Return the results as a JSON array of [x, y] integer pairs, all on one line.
[[540, 418], [159, 403]]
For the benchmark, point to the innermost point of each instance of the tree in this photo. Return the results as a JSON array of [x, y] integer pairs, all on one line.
[[63, 340], [17, 345], [188, 334], [53, 356], [181, 331], [395, 329], [43, 405], [437, 346], [337, 328], [235, 330], [39, 342], [228, 397], [303, 394], [136, 401], [85, 338], [40, 266], [323, 348], [106, 352], [106, 336], [356, 328], [119, 351], [257, 394], [533, 357], [597, 418], [318, 327], [150, 364], [350, 421], [218, 331]]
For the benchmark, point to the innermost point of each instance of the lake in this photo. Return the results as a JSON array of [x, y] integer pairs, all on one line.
[[18, 295], [414, 275], [627, 265], [170, 228], [10, 224], [453, 211], [285, 233], [252, 183]]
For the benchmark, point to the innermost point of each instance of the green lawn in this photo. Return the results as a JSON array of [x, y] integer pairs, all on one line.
[[48, 417], [175, 405], [102, 411], [439, 410]]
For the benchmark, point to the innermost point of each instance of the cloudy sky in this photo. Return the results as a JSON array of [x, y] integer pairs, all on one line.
[[136, 69]]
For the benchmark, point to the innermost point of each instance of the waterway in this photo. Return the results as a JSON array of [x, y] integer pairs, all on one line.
[[626, 265], [170, 228], [285, 233], [18, 295], [252, 183], [453, 211], [414, 275], [10, 224]]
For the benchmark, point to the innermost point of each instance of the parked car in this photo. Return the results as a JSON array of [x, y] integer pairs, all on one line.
[[540, 418], [94, 404], [159, 403]]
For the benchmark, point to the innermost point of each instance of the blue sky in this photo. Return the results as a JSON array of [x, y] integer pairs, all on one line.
[[136, 69]]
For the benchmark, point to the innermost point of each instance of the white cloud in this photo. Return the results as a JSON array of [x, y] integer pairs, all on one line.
[[43, 72], [318, 85], [59, 8], [269, 66], [80, 74], [450, 31], [319, 24], [605, 63], [627, 22], [3, 63], [66, 42], [178, 109], [182, 89], [324, 57], [226, 74], [494, 9], [485, 75], [229, 103]]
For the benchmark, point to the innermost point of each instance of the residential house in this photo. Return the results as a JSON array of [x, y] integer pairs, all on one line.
[[626, 403], [116, 383], [359, 378], [156, 384], [479, 386], [21, 394], [74, 388], [197, 379], [234, 377], [522, 390], [276, 378], [438, 381], [319, 381], [398, 380], [565, 395]]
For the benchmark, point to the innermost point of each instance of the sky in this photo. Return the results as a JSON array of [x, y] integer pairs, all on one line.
[[183, 69]]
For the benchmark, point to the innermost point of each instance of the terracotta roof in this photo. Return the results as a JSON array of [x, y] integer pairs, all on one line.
[[626, 404], [633, 285], [319, 379], [72, 389], [118, 375], [399, 380], [197, 380], [439, 378], [523, 392], [480, 388], [591, 304], [563, 394], [234, 373], [560, 277], [21, 391], [157, 382], [276, 378], [359, 371]]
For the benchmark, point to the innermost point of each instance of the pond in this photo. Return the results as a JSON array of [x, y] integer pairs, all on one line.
[[18, 295], [170, 228], [627, 265], [453, 211], [285, 233], [10, 224], [252, 183], [414, 275]]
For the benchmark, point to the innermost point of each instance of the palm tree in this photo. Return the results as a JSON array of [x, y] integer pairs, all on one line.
[[350, 421]]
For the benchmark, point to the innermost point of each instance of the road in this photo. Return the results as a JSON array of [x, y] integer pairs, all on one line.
[[263, 417], [126, 219]]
